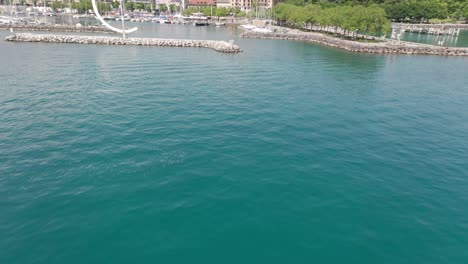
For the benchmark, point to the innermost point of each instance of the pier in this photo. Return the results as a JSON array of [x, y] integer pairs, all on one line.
[[384, 47], [220, 46]]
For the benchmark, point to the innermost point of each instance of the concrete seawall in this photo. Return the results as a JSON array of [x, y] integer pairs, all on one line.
[[55, 28], [386, 47], [220, 46]]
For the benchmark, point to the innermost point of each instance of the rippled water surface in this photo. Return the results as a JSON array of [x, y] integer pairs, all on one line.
[[285, 153], [460, 40]]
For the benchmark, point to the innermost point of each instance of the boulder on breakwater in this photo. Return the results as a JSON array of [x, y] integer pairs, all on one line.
[[221, 46], [386, 47], [55, 28]]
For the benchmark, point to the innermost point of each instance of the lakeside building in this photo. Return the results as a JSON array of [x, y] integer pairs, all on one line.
[[202, 3], [224, 3], [169, 2], [67, 2], [41, 2], [244, 5]]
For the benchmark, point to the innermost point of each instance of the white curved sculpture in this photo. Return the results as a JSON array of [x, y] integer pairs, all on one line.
[[99, 17]]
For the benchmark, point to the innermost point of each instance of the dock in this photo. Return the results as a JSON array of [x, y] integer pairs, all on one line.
[[383, 47]]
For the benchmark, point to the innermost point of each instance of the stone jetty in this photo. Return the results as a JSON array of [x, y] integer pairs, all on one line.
[[55, 28], [384, 47], [221, 46]]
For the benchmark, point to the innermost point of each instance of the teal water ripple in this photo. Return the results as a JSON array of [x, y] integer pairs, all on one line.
[[287, 152]]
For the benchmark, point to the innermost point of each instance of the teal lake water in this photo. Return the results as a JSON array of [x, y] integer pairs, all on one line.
[[286, 153], [450, 41]]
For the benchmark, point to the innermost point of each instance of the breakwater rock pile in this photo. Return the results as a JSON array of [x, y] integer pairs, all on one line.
[[385, 47], [55, 28], [221, 46]]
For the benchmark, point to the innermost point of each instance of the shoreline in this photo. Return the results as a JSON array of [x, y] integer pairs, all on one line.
[[220, 46], [386, 47]]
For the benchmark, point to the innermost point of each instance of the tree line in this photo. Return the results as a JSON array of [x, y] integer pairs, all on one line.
[[424, 10], [215, 11], [84, 6], [403, 10], [351, 19]]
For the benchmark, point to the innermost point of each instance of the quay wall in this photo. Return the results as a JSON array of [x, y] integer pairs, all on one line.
[[55, 28], [220, 46], [386, 47]]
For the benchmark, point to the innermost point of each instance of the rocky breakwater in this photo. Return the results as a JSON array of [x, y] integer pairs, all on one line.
[[55, 28], [221, 46], [384, 47]]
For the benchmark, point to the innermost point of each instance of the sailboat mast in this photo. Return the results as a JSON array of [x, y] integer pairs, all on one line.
[[45, 11], [71, 11]]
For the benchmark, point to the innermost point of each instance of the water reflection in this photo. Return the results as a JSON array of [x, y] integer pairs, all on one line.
[[450, 41]]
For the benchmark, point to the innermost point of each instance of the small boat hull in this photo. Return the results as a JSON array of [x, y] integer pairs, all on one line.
[[198, 24]]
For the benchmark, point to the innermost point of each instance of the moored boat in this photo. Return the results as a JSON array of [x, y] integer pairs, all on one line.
[[200, 23]]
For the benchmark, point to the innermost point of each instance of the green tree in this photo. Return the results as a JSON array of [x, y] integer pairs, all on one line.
[[148, 7], [57, 5], [343, 19], [173, 8], [163, 7], [241, 14], [130, 6], [139, 6]]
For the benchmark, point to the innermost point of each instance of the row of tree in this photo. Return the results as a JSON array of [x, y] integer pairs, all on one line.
[[403, 10], [214, 11], [423, 10], [84, 5], [259, 12], [350, 19], [148, 7]]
